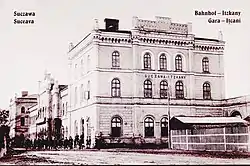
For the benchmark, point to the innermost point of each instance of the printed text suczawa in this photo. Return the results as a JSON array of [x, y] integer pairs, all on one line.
[[24, 17]]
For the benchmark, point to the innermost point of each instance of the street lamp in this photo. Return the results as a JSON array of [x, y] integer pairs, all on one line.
[[169, 137]]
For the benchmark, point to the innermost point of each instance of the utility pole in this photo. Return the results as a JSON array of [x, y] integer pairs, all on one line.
[[169, 130], [39, 101]]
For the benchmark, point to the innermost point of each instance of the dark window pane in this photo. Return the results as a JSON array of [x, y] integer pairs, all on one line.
[[115, 59], [164, 127], [163, 62], [178, 63], [149, 127], [163, 89], [179, 90], [147, 61], [205, 64], [147, 89], [116, 127], [23, 110], [115, 88], [206, 91], [22, 121]]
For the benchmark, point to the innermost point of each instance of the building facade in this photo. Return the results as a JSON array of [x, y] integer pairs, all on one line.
[[120, 80], [48, 111], [64, 111], [40, 115], [33, 112], [123, 83], [19, 114]]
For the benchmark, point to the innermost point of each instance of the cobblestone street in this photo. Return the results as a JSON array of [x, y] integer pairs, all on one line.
[[113, 158]]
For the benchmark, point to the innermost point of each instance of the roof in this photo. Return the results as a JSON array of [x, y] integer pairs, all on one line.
[[201, 38], [211, 120], [118, 31], [63, 87], [29, 96], [32, 96], [33, 105], [79, 42]]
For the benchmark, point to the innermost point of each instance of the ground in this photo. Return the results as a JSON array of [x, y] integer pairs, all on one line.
[[104, 157]]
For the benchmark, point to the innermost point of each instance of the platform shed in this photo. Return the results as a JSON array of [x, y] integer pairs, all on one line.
[[210, 133]]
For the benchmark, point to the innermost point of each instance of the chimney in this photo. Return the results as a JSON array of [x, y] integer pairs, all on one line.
[[96, 24], [24, 93], [220, 36], [111, 24]]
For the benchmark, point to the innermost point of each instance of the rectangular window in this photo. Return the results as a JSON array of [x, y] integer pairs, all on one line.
[[22, 121]]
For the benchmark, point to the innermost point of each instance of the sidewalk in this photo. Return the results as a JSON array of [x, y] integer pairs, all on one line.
[[217, 154], [212, 154]]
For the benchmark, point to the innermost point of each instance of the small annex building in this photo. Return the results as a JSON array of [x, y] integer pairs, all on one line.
[[210, 133]]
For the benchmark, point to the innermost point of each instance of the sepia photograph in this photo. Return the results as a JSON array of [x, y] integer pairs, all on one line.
[[143, 82]]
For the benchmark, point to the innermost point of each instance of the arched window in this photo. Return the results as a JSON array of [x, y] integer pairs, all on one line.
[[163, 89], [81, 93], [82, 126], [63, 109], [39, 113], [205, 64], [66, 131], [76, 71], [22, 121], [163, 62], [116, 124], [75, 96], [179, 90], [76, 128], [178, 63], [147, 61], [149, 127], [236, 114], [63, 132], [82, 67], [206, 91], [23, 110], [88, 63], [43, 112], [164, 127], [115, 59], [115, 88], [147, 89], [88, 89], [66, 107]]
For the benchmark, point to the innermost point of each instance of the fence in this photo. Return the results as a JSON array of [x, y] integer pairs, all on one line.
[[212, 139]]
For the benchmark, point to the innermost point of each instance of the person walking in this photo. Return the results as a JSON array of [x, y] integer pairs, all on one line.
[[81, 141], [70, 142], [76, 141], [65, 143], [88, 142]]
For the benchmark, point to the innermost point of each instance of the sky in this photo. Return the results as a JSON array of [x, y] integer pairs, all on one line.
[[26, 51]]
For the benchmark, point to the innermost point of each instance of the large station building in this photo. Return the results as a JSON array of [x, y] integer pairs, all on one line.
[[123, 82], [120, 79]]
